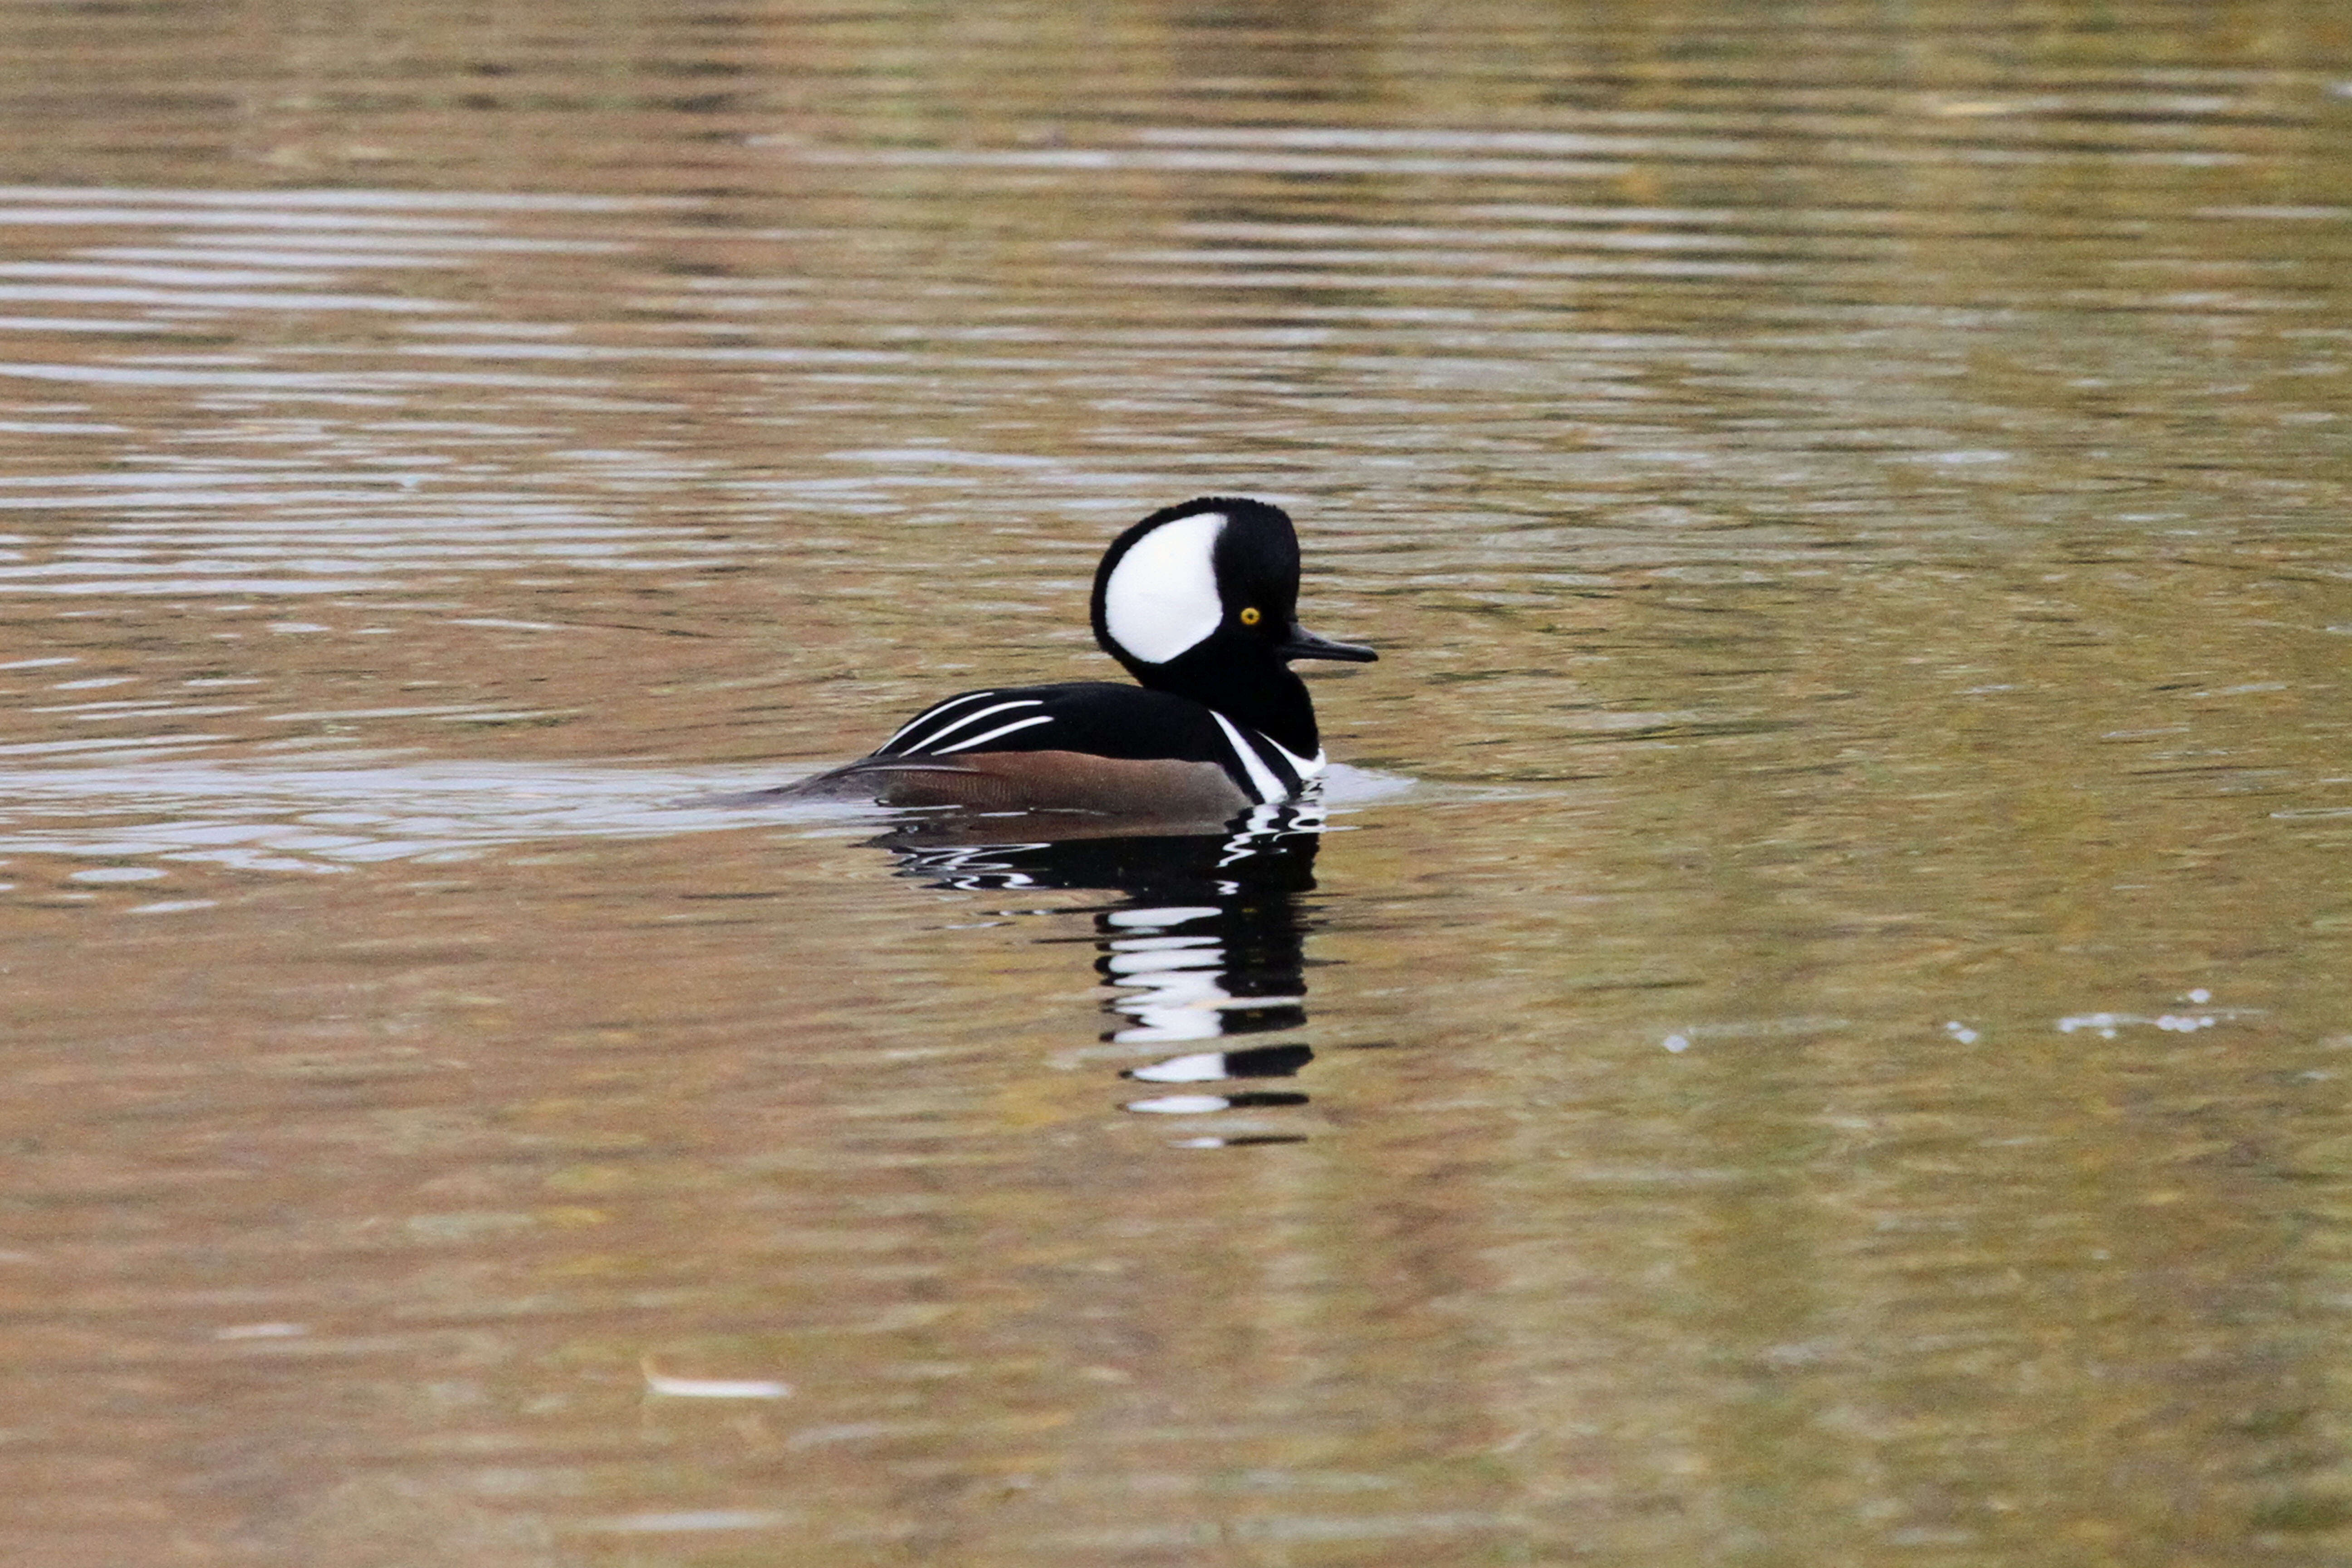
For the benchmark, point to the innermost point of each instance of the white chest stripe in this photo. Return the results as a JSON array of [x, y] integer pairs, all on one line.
[[1305, 767], [930, 743], [1000, 729], [1268, 787]]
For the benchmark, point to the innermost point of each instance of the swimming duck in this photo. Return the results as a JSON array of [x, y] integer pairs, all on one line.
[[1199, 602]]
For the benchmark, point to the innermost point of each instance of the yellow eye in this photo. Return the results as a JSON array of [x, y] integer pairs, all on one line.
[[1250, 617]]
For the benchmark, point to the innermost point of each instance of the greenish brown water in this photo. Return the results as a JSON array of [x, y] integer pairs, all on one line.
[[1819, 1032]]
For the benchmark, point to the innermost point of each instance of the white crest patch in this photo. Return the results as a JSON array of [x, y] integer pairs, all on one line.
[[1162, 596]]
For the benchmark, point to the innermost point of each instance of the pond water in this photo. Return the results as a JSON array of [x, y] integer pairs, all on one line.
[[1813, 1025]]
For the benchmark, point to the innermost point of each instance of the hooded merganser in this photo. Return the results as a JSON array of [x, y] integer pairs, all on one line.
[[1199, 602]]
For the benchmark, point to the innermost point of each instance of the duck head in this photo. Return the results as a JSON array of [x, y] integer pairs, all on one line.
[[1202, 600]]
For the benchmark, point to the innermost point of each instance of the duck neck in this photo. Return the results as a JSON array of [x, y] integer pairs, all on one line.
[[1267, 697]]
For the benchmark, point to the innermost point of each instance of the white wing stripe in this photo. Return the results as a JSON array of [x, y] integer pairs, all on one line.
[[1269, 788], [1000, 729], [933, 711], [930, 743]]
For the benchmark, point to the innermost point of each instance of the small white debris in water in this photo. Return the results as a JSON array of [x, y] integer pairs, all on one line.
[[699, 1519], [713, 1387], [1676, 1044], [2201, 996], [1960, 1032], [261, 1331]]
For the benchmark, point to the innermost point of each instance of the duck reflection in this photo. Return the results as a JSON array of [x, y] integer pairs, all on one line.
[[1205, 944]]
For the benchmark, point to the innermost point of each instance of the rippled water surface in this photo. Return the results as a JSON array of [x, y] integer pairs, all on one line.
[[1814, 1025]]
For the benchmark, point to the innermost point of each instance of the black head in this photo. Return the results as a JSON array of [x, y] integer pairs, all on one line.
[[1202, 600]]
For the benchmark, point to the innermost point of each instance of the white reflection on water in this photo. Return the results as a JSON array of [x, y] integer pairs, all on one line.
[[332, 819], [329, 819], [2104, 1025]]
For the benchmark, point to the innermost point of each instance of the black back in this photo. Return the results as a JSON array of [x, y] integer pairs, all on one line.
[[1097, 717]]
